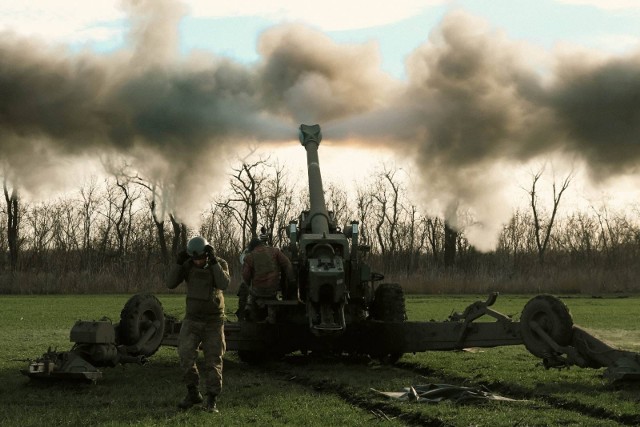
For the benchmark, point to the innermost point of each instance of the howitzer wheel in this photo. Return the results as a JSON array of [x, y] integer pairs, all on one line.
[[388, 306], [390, 358], [553, 316], [140, 313], [388, 303]]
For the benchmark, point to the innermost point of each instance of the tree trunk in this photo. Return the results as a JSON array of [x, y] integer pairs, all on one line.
[[179, 241], [450, 239], [159, 224], [13, 223]]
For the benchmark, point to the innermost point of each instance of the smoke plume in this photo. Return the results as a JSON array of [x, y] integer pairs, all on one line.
[[473, 104]]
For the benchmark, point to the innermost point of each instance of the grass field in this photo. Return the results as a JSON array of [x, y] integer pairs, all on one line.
[[309, 391]]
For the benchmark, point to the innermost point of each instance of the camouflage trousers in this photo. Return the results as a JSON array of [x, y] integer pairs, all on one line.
[[210, 337], [243, 294]]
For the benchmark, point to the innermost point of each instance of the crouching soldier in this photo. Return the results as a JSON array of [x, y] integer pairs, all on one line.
[[263, 269], [206, 276], [243, 290]]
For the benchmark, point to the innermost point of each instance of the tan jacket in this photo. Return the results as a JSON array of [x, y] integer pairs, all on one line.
[[262, 270], [205, 300]]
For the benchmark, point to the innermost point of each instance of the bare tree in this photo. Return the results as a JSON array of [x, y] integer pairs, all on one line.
[[156, 199], [39, 226], [542, 230], [89, 201], [381, 198], [450, 244], [364, 206], [434, 229], [13, 222], [158, 196], [386, 195], [451, 234], [276, 204], [577, 235], [394, 210], [4, 246], [516, 238], [246, 198], [179, 234], [408, 240], [219, 225], [123, 217], [118, 215], [338, 203]]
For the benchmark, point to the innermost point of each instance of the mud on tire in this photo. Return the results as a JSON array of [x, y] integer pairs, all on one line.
[[554, 318], [137, 316]]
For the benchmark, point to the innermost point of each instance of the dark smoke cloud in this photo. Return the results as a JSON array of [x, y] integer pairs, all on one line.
[[598, 110], [474, 101], [305, 75], [146, 97], [147, 102], [140, 101]]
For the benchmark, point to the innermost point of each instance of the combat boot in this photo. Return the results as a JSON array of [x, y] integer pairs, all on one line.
[[211, 406], [193, 397]]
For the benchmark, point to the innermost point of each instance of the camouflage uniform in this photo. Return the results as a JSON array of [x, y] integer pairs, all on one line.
[[262, 269], [243, 290], [203, 323]]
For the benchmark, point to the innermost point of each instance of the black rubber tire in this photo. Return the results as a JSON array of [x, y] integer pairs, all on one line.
[[389, 359], [388, 306], [135, 319], [388, 303], [554, 318]]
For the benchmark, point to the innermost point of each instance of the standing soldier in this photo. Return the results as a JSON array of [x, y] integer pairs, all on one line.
[[263, 269], [206, 276]]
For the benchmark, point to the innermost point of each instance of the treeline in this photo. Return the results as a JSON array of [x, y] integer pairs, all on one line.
[[116, 235]]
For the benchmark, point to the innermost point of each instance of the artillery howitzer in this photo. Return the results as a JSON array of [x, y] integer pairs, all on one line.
[[342, 310]]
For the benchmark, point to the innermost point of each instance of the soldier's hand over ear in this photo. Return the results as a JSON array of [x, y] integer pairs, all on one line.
[[211, 255], [182, 257]]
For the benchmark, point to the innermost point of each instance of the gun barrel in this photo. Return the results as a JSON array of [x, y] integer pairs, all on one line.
[[310, 137]]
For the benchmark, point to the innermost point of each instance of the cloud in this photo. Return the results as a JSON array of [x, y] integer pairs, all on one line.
[[606, 4], [61, 20], [617, 42], [69, 21], [328, 15]]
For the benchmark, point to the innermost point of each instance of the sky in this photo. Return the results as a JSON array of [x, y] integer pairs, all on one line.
[[464, 94]]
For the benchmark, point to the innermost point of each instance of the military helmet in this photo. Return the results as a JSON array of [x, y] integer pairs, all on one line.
[[263, 236], [197, 247], [254, 243]]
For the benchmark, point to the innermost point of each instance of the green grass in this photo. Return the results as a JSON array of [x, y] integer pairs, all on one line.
[[308, 391]]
